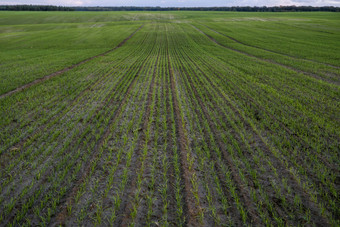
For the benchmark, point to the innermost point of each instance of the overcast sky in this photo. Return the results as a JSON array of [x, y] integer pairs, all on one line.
[[179, 3]]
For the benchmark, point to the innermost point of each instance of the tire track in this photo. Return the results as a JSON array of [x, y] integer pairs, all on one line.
[[70, 198], [266, 60], [108, 101], [40, 80], [171, 172], [183, 143], [245, 195], [263, 145], [44, 177], [100, 159], [58, 115], [170, 152], [61, 218], [272, 51], [66, 110], [98, 145], [216, 166], [126, 206], [253, 103], [307, 199], [310, 88]]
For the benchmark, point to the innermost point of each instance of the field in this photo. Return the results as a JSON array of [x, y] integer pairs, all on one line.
[[169, 119]]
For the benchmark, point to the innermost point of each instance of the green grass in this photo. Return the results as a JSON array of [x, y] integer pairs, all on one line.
[[200, 118]]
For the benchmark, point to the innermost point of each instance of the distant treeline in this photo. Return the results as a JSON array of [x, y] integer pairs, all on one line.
[[233, 8], [135, 8], [35, 8]]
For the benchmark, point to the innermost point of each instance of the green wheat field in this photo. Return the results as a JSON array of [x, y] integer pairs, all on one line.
[[169, 119]]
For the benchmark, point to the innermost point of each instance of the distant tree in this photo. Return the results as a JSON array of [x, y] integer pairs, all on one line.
[[134, 8], [35, 8]]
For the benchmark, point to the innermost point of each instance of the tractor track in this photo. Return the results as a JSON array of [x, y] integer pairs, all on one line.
[[50, 76]]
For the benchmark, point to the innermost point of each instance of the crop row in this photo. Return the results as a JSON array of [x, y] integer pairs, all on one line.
[[175, 127]]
